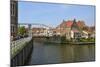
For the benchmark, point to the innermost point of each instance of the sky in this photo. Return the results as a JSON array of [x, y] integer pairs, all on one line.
[[53, 14]]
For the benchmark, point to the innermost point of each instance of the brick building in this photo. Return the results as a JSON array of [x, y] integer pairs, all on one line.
[[70, 28], [14, 17]]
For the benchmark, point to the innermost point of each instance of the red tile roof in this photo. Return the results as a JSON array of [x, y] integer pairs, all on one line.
[[69, 23], [79, 23]]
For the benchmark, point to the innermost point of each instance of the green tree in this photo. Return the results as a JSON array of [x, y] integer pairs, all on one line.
[[86, 28], [21, 30]]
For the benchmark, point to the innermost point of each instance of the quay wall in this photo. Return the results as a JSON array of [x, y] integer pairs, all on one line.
[[21, 58]]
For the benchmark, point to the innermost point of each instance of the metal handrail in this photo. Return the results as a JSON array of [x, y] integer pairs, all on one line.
[[18, 44]]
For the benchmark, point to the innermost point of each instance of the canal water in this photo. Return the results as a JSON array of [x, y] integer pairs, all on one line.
[[61, 53]]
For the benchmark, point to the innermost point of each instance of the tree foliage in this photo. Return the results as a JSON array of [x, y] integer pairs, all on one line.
[[22, 30]]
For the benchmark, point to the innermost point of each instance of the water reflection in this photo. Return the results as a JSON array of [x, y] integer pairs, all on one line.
[[60, 53]]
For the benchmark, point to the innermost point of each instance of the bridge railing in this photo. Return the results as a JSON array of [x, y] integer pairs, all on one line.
[[17, 45]]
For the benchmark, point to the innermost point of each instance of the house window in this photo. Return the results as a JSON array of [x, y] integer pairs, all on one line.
[[13, 9]]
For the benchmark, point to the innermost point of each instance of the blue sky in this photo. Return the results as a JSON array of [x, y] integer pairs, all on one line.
[[53, 14]]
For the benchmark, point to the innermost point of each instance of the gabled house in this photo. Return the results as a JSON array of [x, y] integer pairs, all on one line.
[[72, 29], [75, 31]]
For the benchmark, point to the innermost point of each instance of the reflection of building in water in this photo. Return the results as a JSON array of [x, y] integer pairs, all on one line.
[[82, 53], [67, 53], [14, 17]]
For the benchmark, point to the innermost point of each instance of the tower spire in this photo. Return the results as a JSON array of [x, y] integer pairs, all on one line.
[[63, 20], [74, 20]]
